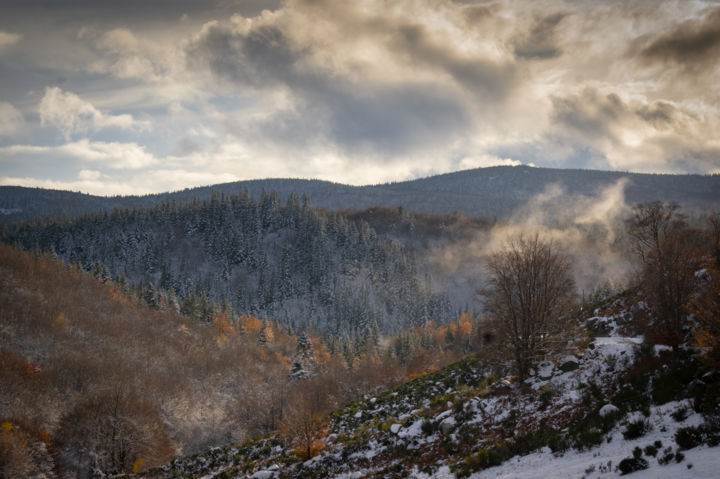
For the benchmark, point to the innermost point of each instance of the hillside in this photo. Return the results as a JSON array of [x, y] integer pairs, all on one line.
[[614, 406], [301, 266], [489, 192], [93, 380]]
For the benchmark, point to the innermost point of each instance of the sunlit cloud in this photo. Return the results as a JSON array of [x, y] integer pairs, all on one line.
[[72, 115], [11, 120], [8, 39], [368, 92], [112, 155]]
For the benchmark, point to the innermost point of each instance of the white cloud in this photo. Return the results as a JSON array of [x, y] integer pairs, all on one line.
[[483, 161], [125, 55], [8, 39], [113, 155], [72, 115], [89, 175], [138, 184], [11, 120]]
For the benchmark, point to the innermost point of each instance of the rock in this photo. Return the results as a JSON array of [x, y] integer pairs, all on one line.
[[447, 425], [608, 409], [569, 364], [545, 370], [263, 475]]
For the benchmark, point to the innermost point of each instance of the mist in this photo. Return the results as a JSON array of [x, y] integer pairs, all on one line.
[[586, 228]]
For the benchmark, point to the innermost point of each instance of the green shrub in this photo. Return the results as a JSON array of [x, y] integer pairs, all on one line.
[[667, 457], [651, 450], [546, 395], [632, 464], [632, 395], [680, 414], [690, 437], [636, 429], [428, 427], [478, 461], [588, 438]]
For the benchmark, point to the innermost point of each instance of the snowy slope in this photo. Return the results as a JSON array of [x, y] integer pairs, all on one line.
[[581, 415]]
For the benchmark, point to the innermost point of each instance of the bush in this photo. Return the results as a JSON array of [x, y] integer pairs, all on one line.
[[690, 437], [546, 395], [668, 456], [632, 464], [589, 438], [636, 429], [478, 461], [652, 449], [633, 394], [680, 414], [428, 427]]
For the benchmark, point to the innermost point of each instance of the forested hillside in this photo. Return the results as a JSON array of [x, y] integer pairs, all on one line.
[[298, 265], [94, 382], [483, 192]]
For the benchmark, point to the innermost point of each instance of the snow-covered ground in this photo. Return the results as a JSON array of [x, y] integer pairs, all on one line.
[[700, 463]]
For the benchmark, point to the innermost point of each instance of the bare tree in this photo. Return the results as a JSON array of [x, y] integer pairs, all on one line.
[[667, 250], [530, 293]]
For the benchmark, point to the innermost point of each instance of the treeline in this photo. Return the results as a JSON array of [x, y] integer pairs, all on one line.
[[94, 382], [301, 266]]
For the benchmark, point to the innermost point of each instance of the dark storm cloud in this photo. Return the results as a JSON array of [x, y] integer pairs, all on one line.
[[354, 113], [262, 58], [364, 91], [135, 11], [493, 81], [692, 43], [476, 13], [589, 113], [389, 119], [595, 115], [661, 114], [540, 41]]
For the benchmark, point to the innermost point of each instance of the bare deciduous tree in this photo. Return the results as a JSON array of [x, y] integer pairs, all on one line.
[[668, 253], [530, 293]]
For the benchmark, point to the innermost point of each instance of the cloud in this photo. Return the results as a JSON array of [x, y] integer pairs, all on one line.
[[139, 184], [370, 91], [539, 41], [72, 115], [11, 120], [484, 161], [125, 56], [363, 81], [637, 134], [692, 43], [113, 155], [88, 175], [8, 39]]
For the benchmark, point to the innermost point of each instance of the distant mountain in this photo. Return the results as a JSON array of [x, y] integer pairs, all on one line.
[[490, 192]]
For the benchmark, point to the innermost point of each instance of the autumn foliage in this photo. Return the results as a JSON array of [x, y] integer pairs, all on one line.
[[101, 382]]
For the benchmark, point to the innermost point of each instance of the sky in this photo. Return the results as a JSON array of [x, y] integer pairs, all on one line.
[[134, 97]]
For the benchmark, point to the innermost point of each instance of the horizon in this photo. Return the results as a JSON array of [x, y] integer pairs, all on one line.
[[151, 98], [388, 183]]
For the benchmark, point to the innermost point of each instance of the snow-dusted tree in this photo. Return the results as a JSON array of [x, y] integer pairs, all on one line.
[[304, 360], [530, 292]]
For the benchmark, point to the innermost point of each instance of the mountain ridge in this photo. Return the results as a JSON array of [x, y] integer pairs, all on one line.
[[492, 192]]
